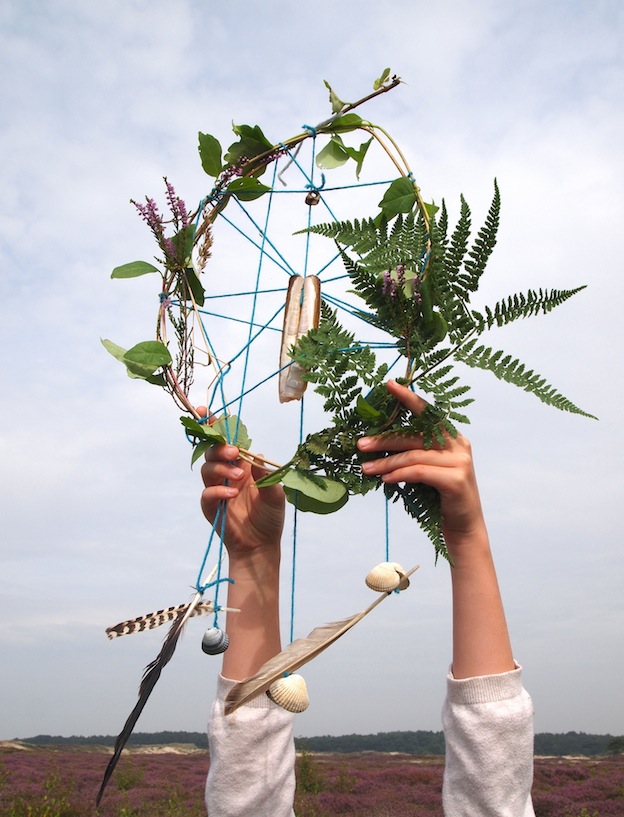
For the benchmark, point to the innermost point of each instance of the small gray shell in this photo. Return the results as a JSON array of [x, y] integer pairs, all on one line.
[[215, 641]]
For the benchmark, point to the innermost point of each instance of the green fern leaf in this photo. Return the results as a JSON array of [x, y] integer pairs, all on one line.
[[512, 371]]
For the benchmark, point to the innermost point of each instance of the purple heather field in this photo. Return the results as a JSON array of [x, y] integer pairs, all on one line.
[[46, 782]]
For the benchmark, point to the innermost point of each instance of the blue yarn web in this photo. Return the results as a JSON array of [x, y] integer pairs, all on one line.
[[246, 281]]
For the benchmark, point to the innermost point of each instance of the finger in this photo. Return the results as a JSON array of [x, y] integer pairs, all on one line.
[[221, 452], [215, 473], [212, 498], [391, 442], [405, 460], [406, 396]]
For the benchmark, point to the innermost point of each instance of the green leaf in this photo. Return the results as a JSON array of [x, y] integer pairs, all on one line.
[[274, 478], [336, 103], [308, 504], [247, 188], [194, 286], [199, 450], [210, 154], [112, 348], [334, 154], [135, 369], [226, 430], [252, 143], [358, 155], [368, 412], [202, 431], [321, 489], [400, 197], [233, 431], [183, 243], [344, 123], [381, 80], [147, 356], [133, 270]]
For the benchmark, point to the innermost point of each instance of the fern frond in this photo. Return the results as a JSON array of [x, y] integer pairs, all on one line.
[[524, 306], [514, 372], [423, 504], [456, 251], [484, 243], [361, 236]]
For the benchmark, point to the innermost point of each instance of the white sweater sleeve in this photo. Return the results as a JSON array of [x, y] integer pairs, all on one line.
[[488, 726], [252, 759]]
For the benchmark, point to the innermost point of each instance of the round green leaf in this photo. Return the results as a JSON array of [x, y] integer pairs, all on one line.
[[346, 122], [309, 505], [147, 356], [247, 188], [333, 154], [321, 489], [400, 197]]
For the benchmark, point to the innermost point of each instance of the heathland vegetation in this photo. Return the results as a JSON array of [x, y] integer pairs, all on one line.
[[409, 743], [168, 781]]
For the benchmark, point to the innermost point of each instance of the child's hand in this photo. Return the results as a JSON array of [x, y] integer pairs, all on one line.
[[255, 516], [449, 469]]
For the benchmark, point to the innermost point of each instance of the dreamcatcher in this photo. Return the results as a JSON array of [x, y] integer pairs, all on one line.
[[312, 297]]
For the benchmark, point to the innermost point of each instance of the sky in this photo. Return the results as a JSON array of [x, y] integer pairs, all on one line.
[[100, 510]]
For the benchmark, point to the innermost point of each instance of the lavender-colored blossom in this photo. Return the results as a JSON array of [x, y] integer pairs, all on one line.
[[176, 205], [149, 213], [169, 248]]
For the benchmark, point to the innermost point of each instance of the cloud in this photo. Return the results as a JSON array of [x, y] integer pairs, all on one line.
[[100, 509]]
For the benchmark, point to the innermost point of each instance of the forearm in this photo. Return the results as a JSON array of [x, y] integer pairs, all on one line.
[[254, 632], [481, 644]]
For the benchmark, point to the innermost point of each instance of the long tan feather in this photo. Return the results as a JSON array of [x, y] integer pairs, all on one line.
[[300, 652]]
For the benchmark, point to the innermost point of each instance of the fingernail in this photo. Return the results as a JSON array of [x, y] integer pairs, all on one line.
[[237, 473], [364, 442]]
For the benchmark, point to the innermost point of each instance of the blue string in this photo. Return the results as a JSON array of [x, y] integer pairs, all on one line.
[[294, 544], [387, 529], [269, 250]]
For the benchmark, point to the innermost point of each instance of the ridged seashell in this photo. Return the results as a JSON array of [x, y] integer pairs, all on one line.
[[290, 692], [301, 313], [215, 641], [386, 577]]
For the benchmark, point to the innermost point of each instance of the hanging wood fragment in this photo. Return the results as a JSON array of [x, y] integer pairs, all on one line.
[[301, 314]]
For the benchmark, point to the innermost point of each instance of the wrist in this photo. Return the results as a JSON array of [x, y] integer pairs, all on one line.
[[254, 563], [467, 544]]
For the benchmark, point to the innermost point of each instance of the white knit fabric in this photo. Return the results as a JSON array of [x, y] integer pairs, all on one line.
[[488, 726]]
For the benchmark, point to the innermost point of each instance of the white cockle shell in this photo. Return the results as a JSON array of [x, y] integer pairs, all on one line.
[[215, 641], [290, 692], [386, 577]]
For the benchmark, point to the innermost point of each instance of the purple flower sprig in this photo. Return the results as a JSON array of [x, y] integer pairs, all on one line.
[[177, 206], [180, 219]]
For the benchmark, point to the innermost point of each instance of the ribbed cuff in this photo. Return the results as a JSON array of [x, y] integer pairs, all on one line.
[[485, 688]]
